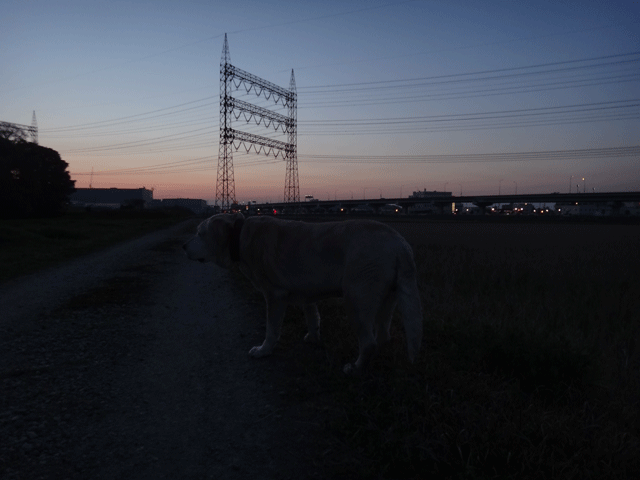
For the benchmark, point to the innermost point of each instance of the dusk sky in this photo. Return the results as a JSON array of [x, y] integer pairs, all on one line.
[[392, 96]]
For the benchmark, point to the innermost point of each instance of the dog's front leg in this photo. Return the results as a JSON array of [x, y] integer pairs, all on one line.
[[313, 321], [275, 314]]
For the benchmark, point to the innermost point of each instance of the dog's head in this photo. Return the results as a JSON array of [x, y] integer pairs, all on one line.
[[214, 238]]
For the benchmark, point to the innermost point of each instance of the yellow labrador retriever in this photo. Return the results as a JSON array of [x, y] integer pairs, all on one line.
[[367, 263]]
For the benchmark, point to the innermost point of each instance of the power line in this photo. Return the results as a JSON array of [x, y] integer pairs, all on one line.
[[180, 166], [480, 115], [466, 47], [402, 83], [449, 77], [499, 90], [120, 120], [139, 143], [590, 153], [206, 163], [198, 121], [189, 133]]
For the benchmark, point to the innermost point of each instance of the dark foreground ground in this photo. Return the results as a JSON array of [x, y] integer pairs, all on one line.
[[133, 364]]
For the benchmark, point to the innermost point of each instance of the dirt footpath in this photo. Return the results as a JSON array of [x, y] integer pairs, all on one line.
[[133, 363]]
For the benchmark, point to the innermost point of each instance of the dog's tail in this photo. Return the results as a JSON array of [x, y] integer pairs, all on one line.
[[408, 298]]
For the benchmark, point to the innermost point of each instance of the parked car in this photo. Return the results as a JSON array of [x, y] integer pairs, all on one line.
[[364, 209], [391, 209]]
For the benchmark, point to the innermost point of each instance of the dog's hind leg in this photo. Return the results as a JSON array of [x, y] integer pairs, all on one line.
[[383, 319], [362, 314], [313, 321], [275, 314]]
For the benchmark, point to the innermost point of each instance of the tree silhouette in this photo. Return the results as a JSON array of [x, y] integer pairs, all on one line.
[[34, 181]]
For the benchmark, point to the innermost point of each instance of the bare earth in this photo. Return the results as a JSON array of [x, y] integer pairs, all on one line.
[[132, 363]]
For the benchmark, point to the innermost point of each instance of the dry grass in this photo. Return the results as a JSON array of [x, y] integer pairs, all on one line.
[[530, 366], [29, 245]]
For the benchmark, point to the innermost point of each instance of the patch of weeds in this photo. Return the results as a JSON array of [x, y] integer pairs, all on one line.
[[537, 360], [29, 245]]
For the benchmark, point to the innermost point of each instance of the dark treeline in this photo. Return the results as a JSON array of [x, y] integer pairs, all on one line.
[[34, 181]]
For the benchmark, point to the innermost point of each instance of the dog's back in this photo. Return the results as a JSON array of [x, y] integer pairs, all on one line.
[[305, 254]]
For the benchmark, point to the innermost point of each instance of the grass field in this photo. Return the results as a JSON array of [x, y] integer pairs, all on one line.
[[530, 366], [29, 245]]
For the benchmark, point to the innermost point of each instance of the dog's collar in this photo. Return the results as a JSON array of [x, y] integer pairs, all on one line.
[[234, 240]]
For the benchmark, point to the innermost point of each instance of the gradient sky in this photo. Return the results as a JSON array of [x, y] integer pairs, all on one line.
[[392, 96]]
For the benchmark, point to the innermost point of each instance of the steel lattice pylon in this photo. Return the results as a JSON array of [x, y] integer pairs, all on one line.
[[22, 132], [225, 184], [34, 128], [291, 185], [231, 139]]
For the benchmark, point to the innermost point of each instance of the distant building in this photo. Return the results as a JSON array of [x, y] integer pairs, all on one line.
[[111, 197], [435, 206], [425, 194]]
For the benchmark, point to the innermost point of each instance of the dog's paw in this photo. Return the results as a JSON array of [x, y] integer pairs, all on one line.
[[258, 352]]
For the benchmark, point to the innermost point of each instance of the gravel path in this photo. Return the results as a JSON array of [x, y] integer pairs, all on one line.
[[132, 363]]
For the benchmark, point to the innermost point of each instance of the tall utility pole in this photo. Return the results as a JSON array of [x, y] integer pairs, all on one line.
[[232, 78]]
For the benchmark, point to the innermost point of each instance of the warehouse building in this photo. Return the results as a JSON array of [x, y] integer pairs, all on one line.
[[111, 197]]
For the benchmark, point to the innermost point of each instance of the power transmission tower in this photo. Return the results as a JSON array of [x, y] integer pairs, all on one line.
[[34, 128], [231, 78], [16, 131], [291, 185], [225, 184]]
